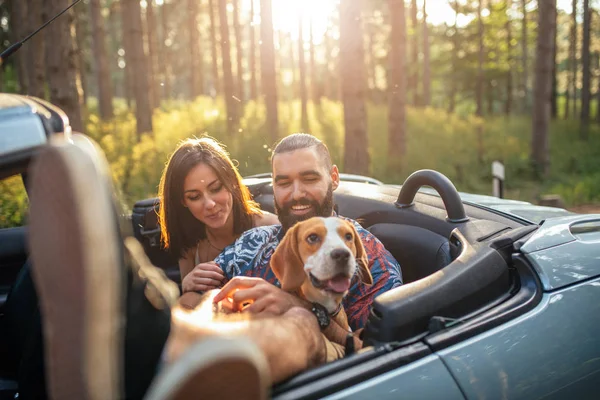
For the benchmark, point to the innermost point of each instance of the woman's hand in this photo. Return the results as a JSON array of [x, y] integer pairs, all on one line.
[[203, 277]]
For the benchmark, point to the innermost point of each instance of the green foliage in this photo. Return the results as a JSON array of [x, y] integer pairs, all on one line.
[[13, 202], [436, 140]]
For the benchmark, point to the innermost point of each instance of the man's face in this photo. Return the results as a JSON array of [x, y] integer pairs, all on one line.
[[303, 186]]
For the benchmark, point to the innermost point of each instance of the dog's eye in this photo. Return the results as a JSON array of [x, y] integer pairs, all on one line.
[[349, 236], [312, 238]]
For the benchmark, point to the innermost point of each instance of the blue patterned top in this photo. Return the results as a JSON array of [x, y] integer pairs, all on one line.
[[250, 254]]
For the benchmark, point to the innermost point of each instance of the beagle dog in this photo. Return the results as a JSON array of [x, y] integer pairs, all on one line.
[[317, 259]]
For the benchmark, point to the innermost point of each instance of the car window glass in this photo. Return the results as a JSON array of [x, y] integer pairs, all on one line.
[[13, 202]]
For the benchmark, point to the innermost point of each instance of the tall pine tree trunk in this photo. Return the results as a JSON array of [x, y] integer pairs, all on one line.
[[571, 91], [397, 86], [574, 65], [586, 77], [195, 68], [353, 87], [267, 68], [18, 30], [213, 48], [554, 95], [153, 67], [524, 58], [543, 86], [414, 78], [61, 63], [81, 34], [302, 82], [105, 106], [238, 51], [137, 63], [253, 83], [314, 80], [228, 88], [454, 68], [509, 72], [34, 53], [480, 45], [426, 66], [165, 50]]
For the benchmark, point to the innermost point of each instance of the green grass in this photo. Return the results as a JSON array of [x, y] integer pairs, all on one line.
[[435, 140]]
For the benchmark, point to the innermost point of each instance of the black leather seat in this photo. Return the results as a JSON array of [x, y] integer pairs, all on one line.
[[419, 251]]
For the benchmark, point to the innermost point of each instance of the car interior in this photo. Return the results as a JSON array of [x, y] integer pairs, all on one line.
[[461, 269]]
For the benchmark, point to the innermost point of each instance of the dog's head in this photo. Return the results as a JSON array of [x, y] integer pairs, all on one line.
[[318, 257]]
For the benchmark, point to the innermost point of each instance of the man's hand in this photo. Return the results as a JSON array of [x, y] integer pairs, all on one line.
[[203, 277], [263, 298]]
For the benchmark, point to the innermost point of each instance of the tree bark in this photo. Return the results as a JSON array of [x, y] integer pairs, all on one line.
[[18, 14], [479, 84], [165, 50], [195, 68], [302, 81], [414, 78], [253, 83], [228, 88], [524, 58], [426, 66], [138, 65], [267, 68], [571, 63], [81, 34], [34, 53], [509, 72], [353, 85], [105, 106], [61, 62], [543, 84], [370, 61], [153, 57], [586, 77], [554, 94], [574, 65], [454, 68], [314, 80], [238, 51], [397, 85], [213, 48]]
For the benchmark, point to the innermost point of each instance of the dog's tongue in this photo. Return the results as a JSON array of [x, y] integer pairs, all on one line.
[[339, 283]]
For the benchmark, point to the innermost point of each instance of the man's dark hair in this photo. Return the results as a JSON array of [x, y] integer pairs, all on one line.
[[297, 141]]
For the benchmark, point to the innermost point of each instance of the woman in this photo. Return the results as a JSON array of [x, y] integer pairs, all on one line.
[[204, 208]]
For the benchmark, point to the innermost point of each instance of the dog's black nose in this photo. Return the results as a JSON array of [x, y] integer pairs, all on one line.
[[340, 255]]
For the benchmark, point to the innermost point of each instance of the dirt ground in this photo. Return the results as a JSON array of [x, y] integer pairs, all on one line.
[[586, 209]]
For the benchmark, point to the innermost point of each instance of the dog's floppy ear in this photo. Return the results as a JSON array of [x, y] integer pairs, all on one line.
[[362, 261], [286, 262]]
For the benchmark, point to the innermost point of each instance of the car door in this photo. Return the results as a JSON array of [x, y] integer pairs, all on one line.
[[13, 232], [427, 378]]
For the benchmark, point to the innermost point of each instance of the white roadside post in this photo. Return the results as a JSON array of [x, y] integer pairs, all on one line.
[[498, 179]]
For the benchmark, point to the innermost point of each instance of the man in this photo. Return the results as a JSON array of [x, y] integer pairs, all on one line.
[[304, 179]]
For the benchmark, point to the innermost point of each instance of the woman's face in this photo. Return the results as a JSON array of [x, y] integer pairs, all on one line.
[[206, 197]]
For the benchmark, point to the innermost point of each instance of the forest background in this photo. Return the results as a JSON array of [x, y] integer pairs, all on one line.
[[391, 86]]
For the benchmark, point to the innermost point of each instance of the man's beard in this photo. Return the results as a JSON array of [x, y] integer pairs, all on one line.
[[288, 219]]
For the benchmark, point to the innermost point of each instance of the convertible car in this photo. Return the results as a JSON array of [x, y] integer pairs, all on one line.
[[501, 299]]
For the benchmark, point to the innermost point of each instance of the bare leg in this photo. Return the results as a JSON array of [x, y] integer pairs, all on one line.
[[291, 343]]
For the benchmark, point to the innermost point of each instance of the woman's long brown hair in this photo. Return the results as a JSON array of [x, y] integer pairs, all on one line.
[[180, 230]]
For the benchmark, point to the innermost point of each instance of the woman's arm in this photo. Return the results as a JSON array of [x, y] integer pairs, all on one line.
[[186, 264]]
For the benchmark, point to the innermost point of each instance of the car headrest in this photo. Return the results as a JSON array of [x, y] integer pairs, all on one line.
[[419, 252]]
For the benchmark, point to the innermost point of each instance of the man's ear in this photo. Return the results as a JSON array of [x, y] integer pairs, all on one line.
[[286, 262], [335, 177], [362, 261]]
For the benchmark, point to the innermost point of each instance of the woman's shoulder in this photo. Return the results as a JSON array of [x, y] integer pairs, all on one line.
[[265, 218]]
